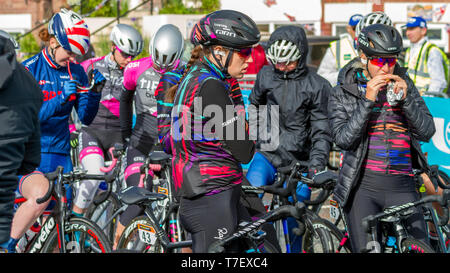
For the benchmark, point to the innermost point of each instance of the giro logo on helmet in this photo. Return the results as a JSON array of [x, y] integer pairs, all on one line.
[[226, 33]]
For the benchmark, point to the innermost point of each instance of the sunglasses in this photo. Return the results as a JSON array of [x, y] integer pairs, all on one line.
[[125, 55], [380, 62], [244, 52]]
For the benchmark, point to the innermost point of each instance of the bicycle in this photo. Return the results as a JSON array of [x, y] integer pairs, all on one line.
[[147, 233], [62, 231], [315, 237], [395, 236], [106, 203]]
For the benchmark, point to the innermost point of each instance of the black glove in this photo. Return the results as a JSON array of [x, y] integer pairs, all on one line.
[[99, 80]]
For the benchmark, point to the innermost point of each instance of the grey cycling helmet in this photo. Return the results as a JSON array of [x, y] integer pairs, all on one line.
[[127, 39], [167, 47], [372, 18], [11, 38], [283, 51], [380, 40]]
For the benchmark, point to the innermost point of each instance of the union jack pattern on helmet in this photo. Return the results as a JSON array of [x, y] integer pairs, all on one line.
[[70, 31]]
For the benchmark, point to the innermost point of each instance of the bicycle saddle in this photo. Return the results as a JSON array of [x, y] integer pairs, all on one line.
[[135, 195], [158, 157]]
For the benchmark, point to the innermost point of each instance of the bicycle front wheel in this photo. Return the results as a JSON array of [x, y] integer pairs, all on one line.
[[317, 239], [102, 213], [339, 243], [410, 245], [139, 235], [81, 236]]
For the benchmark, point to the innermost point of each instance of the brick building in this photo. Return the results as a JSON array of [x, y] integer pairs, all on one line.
[[335, 15]]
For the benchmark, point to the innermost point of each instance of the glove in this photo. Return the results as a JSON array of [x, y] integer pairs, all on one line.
[[99, 80], [69, 89]]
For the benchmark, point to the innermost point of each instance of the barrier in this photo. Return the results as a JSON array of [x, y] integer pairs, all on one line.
[[438, 148]]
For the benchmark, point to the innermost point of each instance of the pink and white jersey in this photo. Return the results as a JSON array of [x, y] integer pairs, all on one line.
[[142, 79], [109, 109]]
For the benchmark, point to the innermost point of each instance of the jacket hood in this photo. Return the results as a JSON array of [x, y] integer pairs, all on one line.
[[296, 35], [7, 61]]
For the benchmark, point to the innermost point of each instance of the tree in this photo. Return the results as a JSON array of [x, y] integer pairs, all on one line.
[[177, 7], [108, 10]]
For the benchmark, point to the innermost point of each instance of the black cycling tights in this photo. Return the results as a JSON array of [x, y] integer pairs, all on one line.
[[212, 217], [370, 199]]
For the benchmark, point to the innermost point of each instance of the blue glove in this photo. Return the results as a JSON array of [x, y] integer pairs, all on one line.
[[69, 88], [99, 80]]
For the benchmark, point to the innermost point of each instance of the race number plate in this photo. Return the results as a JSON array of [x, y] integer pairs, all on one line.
[[146, 234], [334, 209]]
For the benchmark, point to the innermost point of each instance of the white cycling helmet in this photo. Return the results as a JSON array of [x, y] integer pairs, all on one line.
[[167, 47], [11, 38], [283, 51], [70, 31], [372, 18], [127, 39]]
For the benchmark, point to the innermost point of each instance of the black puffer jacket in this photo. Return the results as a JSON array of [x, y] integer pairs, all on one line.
[[302, 97], [20, 149], [348, 115]]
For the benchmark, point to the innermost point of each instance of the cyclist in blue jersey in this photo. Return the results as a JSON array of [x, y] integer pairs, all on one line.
[[65, 86]]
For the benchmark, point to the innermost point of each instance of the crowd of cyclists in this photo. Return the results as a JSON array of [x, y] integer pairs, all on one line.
[[370, 109]]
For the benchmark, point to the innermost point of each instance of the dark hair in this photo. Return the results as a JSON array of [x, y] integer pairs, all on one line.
[[196, 53]]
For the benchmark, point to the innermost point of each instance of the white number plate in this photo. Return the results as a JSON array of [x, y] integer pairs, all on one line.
[[146, 234], [334, 209]]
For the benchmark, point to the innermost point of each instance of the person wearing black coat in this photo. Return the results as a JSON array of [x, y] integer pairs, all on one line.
[[378, 130], [20, 149], [297, 124]]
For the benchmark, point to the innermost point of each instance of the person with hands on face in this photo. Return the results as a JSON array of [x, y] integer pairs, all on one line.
[[379, 136]]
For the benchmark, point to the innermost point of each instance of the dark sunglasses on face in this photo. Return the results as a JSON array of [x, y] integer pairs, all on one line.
[[125, 55], [244, 52], [381, 61]]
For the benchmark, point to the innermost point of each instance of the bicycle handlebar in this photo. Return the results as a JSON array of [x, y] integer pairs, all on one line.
[[370, 221], [73, 176]]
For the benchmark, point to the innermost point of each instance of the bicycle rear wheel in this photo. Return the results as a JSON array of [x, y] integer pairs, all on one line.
[[81, 236]]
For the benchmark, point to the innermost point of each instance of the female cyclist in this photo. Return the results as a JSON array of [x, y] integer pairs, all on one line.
[[60, 80], [206, 163], [141, 78], [104, 131], [379, 134]]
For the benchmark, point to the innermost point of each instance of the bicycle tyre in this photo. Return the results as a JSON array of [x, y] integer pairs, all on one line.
[[130, 240], [97, 241], [336, 236], [321, 243], [411, 245], [96, 213]]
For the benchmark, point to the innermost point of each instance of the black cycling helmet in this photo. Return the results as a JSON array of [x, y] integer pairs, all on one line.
[[380, 40], [227, 28]]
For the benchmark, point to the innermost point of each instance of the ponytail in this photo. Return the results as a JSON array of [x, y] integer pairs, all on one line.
[[196, 53], [44, 35]]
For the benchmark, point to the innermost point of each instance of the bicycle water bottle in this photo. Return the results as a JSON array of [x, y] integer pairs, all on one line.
[[27, 237]]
